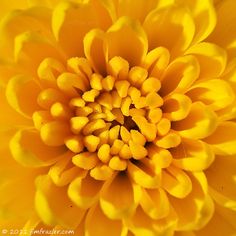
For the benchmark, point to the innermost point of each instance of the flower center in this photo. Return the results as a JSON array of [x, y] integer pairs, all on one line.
[[103, 120]]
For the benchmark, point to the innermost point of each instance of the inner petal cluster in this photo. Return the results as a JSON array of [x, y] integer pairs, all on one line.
[[105, 120]]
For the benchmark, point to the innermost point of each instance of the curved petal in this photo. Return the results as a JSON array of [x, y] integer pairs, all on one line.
[[31, 48], [97, 224], [63, 171], [192, 212], [155, 203], [120, 198], [212, 59], [84, 191], [144, 175], [180, 75], [133, 47], [69, 82], [72, 20], [223, 140], [222, 184], [48, 70], [94, 50], [36, 19], [176, 106], [156, 61], [200, 122], [28, 149], [54, 133], [7, 70], [141, 224], [172, 27], [222, 223], [193, 155], [55, 210], [229, 113], [204, 16], [215, 93], [15, 208], [21, 93], [222, 35], [10, 118], [86, 160], [176, 182]]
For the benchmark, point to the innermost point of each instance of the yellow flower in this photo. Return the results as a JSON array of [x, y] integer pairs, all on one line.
[[118, 117]]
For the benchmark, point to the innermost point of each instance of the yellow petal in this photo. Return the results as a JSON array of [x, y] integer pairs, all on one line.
[[54, 133], [63, 171], [225, 36], [204, 25], [85, 160], [222, 223], [193, 155], [223, 140], [10, 117], [53, 211], [170, 140], [176, 182], [163, 126], [48, 71], [91, 142], [94, 50], [84, 191], [74, 143], [116, 163], [215, 93], [28, 149], [97, 224], [133, 47], [200, 122], [16, 22], [69, 82], [48, 97], [31, 48], [104, 153], [78, 123], [179, 75], [222, 185], [176, 106], [212, 58], [144, 175], [118, 67], [192, 211], [156, 61], [171, 27], [155, 203], [101, 172], [147, 129], [138, 151], [68, 24], [141, 224], [161, 158], [22, 94], [121, 197], [15, 179]]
